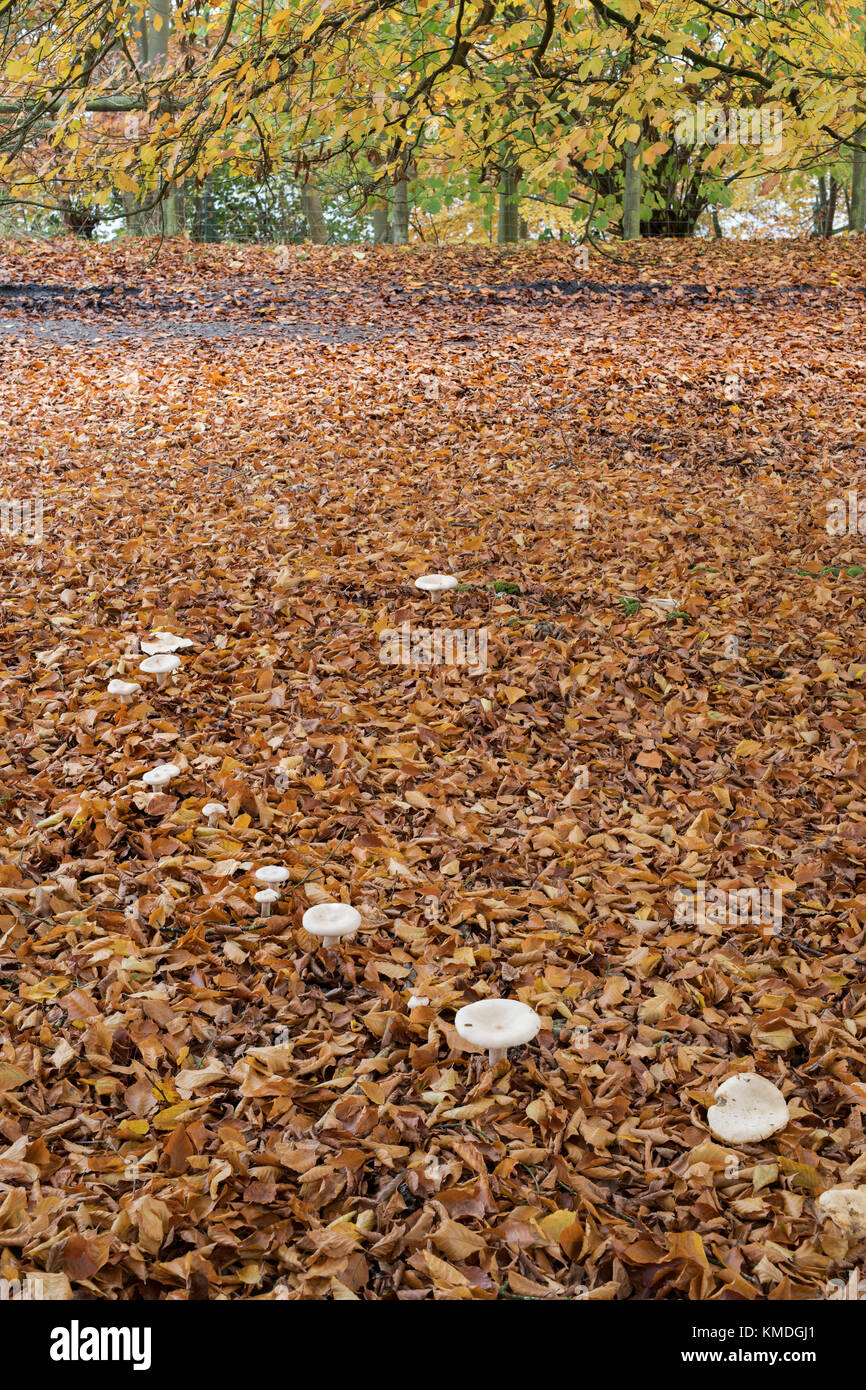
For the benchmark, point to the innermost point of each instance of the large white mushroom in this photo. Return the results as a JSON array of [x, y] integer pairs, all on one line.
[[162, 665], [271, 875], [497, 1024], [436, 584], [846, 1207], [163, 642], [330, 921], [161, 776], [747, 1108]]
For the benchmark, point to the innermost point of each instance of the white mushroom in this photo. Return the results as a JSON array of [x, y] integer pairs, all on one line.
[[163, 642], [497, 1024], [331, 920], [159, 777], [436, 584], [213, 810], [747, 1108], [123, 688], [160, 666], [846, 1206], [418, 1001], [271, 875], [267, 897]]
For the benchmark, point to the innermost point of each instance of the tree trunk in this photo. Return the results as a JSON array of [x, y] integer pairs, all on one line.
[[381, 224], [830, 214], [858, 188], [314, 216], [159, 26], [819, 207], [401, 212], [631, 195], [202, 218], [508, 228]]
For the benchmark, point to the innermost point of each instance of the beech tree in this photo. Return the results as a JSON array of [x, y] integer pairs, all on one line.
[[118, 94]]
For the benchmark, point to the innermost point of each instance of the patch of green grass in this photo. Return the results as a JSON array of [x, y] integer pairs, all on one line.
[[630, 606], [852, 571], [506, 586]]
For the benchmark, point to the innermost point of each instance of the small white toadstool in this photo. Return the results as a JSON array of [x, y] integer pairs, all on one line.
[[213, 810], [418, 1001], [160, 666], [497, 1024], [747, 1108], [331, 920], [267, 897], [123, 688], [846, 1206], [163, 642], [436, 584], [159, 777]]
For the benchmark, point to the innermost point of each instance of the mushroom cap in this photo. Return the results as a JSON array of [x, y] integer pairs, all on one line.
[[747, 1108], [497, 1022], [271, 873], [418, 1001], [266, 895], [331, 920], [213, 808], [163, 642], [846, 1206], [123, 687], [435, 583], [159, 664], [161, 776]]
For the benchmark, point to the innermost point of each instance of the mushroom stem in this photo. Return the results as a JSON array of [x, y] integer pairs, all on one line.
[[496, 1054], [162, 678], [266, 909], [213, 817]]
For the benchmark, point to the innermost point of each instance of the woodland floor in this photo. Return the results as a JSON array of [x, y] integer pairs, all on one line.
[[262, 459]]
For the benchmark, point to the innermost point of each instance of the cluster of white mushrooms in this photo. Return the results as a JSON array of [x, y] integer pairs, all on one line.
[[162, 660], [747, 1108], [494, 1024], [328, 921]]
